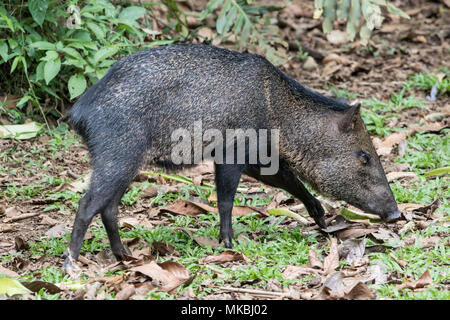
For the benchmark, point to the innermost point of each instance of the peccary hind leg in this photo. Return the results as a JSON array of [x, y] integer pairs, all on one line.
[[103, 197], [286, 180], [227, 180]]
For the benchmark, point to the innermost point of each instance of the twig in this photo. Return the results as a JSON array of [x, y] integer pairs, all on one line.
[[22, 216], [255, 291]]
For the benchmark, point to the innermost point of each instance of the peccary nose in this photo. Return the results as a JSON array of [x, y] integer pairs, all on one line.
[[391, 216]]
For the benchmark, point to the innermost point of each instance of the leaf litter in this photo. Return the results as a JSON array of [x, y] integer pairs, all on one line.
[[351, 68]]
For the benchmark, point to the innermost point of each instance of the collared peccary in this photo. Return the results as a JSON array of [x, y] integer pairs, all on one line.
[[130, 114]]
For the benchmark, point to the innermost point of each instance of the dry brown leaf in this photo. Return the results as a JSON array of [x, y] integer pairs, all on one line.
[[188, 208], [314, 261], [166, 276], [226, 256], [164, 248], [298, 272], [352, 250], [128, 222], [331, 68], [422, 282], [337, 37], [150, 192], [360, 291], [384, 147], [126, 292], [352, 233], [339, 223], [207, 241], [8, 272], [331, 262], [391, 176], [337, 58]]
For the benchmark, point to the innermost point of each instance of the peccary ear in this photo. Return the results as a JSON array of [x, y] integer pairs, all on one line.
[[347, 121]]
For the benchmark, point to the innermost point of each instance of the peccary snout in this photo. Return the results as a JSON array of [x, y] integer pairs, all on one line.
[[346, 166]]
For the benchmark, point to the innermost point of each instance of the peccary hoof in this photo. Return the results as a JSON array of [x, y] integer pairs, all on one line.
[[228, 244], [321, 222], [392, 216]]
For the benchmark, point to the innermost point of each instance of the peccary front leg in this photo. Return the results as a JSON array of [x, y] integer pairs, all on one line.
[[227, 180], [286, 180]]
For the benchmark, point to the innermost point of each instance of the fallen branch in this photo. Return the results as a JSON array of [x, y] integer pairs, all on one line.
[[22, 217], [255, 292]]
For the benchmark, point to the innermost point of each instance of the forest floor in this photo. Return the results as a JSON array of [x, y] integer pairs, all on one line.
[[168, 223]]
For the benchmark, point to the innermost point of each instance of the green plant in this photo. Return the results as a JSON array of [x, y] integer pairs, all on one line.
[[353, 11], [248, 23], [55, 50]]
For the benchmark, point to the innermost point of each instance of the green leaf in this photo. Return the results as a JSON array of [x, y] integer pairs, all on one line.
[[4, 50], [342, 10], [77, 84], [43, 45], [132, 13], [96, 30], [288, 213], [38, 9], [73, 53], [50, 55], [51, 69], [318, 8], [11, 287], [329, 15], [398, 12], [353, 21], [20, 131], [353, 215], [40, 71], [436, 172], [364, 33], [104, 53], [8, 21], [14, 64]]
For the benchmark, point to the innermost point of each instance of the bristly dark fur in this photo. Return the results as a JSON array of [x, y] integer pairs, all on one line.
[[130, 114]]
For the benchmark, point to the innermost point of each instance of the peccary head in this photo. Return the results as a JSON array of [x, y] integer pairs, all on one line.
[[348, 167]]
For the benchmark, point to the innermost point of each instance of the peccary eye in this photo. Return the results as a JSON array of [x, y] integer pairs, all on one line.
[[364, 157]]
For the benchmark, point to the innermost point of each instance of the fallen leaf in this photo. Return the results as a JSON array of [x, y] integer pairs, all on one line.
[[128, 222], [288, 213], [188, 208], [166, 276], [391, 176], [164, 248], [352, 233], [422, 282], [20, 131], [56, 231], [331, 262], [334, 282], [9, 273], [207, 241], [429, 209], [337, 37], [376, 274], [126, 292], [352, 250], [12, 287], [339, 223], [226, 256], [298, 272], [81, 184], [20, 244], [359, 291], [353, 214], [149, 192], [36, 286], [314, 261], [337, 58]]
